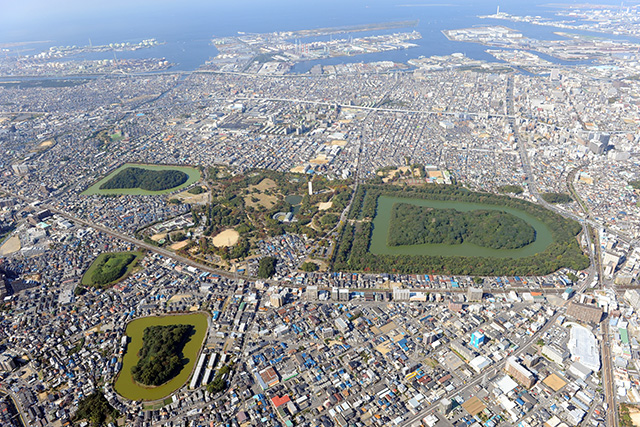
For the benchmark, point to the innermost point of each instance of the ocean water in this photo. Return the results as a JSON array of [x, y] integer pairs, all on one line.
[[186, 28]]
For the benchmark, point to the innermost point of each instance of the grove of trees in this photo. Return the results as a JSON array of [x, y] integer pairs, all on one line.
[[557, 198], [161, 356], [309, 267], [513, 189], [96, 409], [267, 267], [352, 253], [415, 225], [146, 179], [235, 204], [219, 383], [109, 268]]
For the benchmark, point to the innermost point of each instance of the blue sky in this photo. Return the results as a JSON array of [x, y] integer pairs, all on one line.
[[29, 20]]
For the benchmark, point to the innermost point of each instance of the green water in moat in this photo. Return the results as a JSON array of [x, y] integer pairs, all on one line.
[[381, 221], [125, 385], [193, 173]]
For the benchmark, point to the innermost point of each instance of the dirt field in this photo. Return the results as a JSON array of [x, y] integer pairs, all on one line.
[[179, 297], [10, 246], [158, 237], [315, 226], [35, 277], [338, 142], [635, 416], [46, 144], [228, 237], [320, 160], [179, 245], [392, 174], [325, 206]]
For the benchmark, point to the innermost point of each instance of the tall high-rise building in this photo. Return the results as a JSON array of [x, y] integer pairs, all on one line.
[[276, 300], [474, 294], [446, 405], [401, 294], [477, 339]]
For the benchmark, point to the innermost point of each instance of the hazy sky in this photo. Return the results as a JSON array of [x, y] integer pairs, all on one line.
[[24, 19], [28, 20]]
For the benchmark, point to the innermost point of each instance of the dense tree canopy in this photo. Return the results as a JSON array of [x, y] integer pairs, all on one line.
[[267, 267], [96, 409], [309, 267], [352, 252], [249, 203], [557, 198], [415, 225], [109, 268], [197, 190], [146, 179], [161, 356], [219, 383], [513, 189]]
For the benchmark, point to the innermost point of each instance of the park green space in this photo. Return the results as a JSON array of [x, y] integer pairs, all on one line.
[[382, 222], [193, 173], [115, 264], [363, 245], [127, 387], [295, 201], [557, 198], [243, 209]]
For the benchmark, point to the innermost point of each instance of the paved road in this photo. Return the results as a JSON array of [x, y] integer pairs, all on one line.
[[607, 377], [152, 248], [594, 255], [17, 403], [490, 373], [605, 346]]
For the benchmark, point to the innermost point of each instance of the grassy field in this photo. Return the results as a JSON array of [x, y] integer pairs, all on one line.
[[257, 193], [125, 385], [194, 176], [115, 260], [186, 197]]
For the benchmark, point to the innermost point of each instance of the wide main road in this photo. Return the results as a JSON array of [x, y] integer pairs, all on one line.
[[152, 248], [22, 419], [607, 376], [489, 373]]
